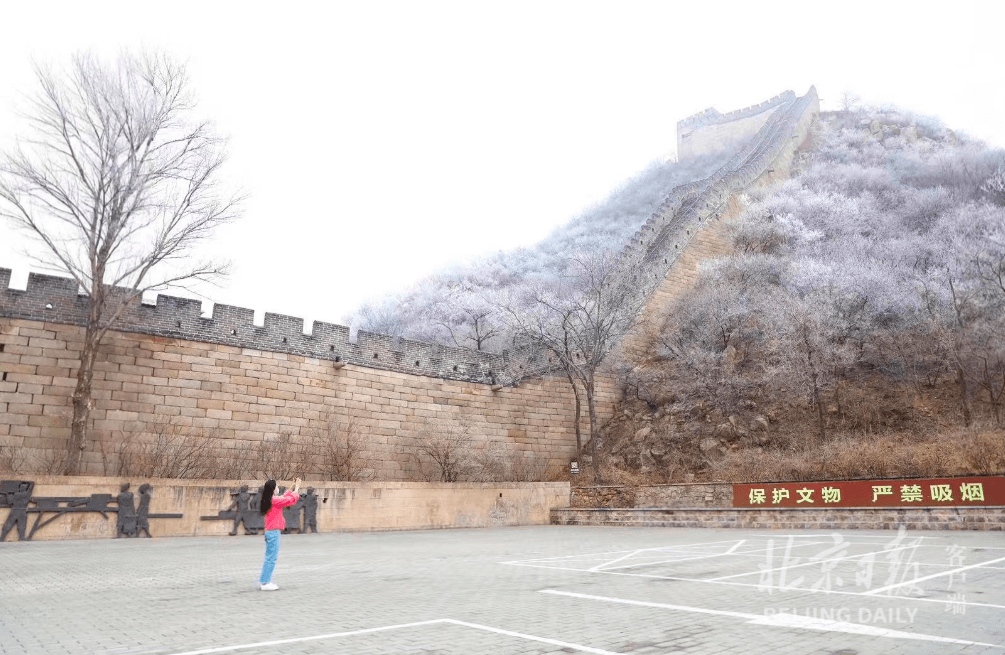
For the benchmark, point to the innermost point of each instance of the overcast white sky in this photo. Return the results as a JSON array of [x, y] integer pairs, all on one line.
[[379, 142]]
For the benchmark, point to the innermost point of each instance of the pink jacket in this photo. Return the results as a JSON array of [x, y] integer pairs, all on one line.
[[274, 519]]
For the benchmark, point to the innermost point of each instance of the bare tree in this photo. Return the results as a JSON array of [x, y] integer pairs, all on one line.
[[808, 346], [379, 318], [118, 184], [579, 321], [993, 187], [982, 343], [850, 101], [470, 323]]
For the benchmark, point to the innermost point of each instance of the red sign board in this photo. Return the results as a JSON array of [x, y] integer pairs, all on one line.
[[935, 492]]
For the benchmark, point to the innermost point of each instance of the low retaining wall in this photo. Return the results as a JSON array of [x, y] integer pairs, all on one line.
[[341, 506], [852, 518], [712, 494]]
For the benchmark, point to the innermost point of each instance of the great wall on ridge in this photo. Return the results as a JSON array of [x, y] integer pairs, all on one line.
[[245, 383]]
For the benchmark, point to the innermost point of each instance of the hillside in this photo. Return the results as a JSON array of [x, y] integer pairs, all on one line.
[[858, 330], [455, 306]]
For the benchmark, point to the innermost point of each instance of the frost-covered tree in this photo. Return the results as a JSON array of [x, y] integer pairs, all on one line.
[[886, 256], [450, 307], [994, 186], [850, 100], [579, 320]]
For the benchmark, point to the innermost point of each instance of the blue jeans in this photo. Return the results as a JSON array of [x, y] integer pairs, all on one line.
[[271, 554]]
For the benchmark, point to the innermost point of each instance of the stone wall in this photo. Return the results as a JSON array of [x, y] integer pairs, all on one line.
[[710, 132], [243, 383], [51, 299], [717, 138], [240, 396], [664, 256], [914, 518], [342, 506], [708, 495]]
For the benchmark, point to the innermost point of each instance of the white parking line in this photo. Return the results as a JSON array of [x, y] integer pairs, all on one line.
[[678, 548], [297, 640], [351, 633], [781, 620], [736, 545], [873, 592], [623, 557], [690, 559], [779, 589], [543, 640], [607, 565], [810, 563], [830, 534]]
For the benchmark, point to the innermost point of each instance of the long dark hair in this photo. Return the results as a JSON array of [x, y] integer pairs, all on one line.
[[267, 491]]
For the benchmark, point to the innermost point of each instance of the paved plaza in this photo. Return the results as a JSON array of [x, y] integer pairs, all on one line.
[[547, 589]]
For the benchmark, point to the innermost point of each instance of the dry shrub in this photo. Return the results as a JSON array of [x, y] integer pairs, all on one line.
[[280, 457], [13, 459], [872, 408], [167, 450], [526, 466], [450, 453], [445, 452], [495, 462], [49, 462], [962, 451], [337, 451]]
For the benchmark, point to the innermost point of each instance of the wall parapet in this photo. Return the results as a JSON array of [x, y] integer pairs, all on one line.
[[711, 116], [53, 299], [654, 249]]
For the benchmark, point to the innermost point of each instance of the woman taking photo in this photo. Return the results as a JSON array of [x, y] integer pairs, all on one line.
[[272, 508]]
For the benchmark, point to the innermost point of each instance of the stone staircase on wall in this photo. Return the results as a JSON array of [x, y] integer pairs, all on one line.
[[649, 264], [651, 252]]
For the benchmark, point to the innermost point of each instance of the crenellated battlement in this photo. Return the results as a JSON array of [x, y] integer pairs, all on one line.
[[711, 116], [710, 132], [55, 299], [651, 253]]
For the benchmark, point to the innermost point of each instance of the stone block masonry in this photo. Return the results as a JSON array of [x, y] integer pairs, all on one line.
[[51, 299], [240, 396], [709, 131]]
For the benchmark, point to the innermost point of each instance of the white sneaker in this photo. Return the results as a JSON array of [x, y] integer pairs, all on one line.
[[271, 586]]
